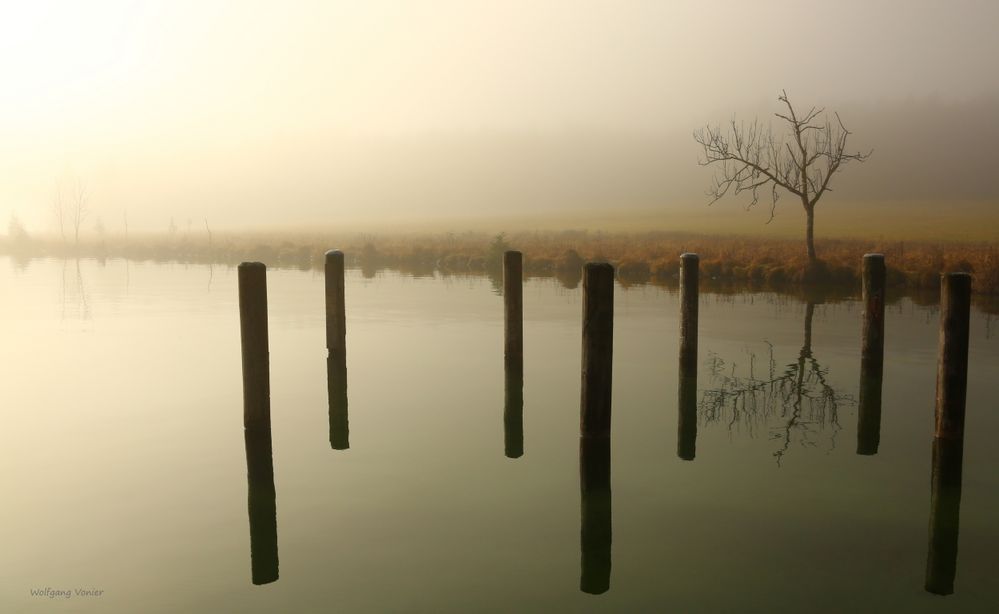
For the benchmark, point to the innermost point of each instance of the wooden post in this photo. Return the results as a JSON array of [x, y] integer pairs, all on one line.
[[595, 514], [952, 361], [948, 441], [513, 305], [513, 353], [336, 346], [513, 413], [688, 313], [595, 426], [253, 334], [872, 351], [261, 506], [687, 391], [336, 388], [257, 421], [336, 324], [598, 346]]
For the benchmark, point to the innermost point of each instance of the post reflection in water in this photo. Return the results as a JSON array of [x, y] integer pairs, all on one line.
[[513, 410], [336, 384], [869, 411], [686, 441], [595, 530], [945, 510], [262, 505]]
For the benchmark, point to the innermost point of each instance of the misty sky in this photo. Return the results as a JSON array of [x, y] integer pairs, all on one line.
[[253, 113]]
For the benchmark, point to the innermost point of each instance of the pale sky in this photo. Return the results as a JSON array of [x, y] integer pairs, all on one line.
[[253, 113]]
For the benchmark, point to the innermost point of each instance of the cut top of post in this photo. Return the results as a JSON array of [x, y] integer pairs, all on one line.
[[598, 274], [689, 265], [959, 281], [252, 278], [333, 255], [874, 265]]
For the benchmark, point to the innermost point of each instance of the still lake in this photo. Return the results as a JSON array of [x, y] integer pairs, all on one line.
[[125, 470]]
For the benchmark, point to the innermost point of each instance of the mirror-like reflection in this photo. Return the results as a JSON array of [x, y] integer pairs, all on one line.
[[869, 411], [504, 512], [799, 399], [595, 530], [513, 410], [262, 506], [686, 441], [336, 384], [945, 511], [77, 294]]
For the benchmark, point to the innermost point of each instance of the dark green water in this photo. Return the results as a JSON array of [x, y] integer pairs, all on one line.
[[126, 471]]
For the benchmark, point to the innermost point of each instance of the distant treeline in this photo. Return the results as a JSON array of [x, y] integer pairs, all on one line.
[[648, 257]]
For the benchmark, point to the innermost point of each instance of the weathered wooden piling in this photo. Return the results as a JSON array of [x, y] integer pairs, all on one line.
[[595, 514], [336, 323], [598, 346], [261, 506], [336, 346], [513, 353], [513, 308], [253, 334], [595, 425], [686, 442], [952, 360], [336, 387], [872, 346], [513, 413], [688, 313], [948, 440]]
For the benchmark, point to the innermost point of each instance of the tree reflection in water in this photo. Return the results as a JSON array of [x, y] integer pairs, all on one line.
[[797, 400]]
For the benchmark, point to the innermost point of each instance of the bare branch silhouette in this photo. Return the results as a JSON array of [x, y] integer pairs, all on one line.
[[798, 397], [749, 157]]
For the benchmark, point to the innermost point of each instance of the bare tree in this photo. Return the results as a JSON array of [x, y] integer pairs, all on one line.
[[16, 231], [59, 209], [78, 209], [751, 157]]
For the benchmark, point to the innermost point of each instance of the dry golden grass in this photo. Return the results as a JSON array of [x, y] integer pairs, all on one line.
[[639, 256]]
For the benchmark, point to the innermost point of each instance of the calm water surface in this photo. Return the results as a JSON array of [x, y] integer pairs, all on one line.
[[125, 469]]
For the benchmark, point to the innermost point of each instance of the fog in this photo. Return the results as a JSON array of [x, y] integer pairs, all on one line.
[[396, 113]]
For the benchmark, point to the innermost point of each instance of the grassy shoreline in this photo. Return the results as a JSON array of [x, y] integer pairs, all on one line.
[[639, 257]]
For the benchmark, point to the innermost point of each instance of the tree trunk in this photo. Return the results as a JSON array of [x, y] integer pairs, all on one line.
[[810, 235]]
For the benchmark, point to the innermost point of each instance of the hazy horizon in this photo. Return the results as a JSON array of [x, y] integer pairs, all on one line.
[[385, 114]]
